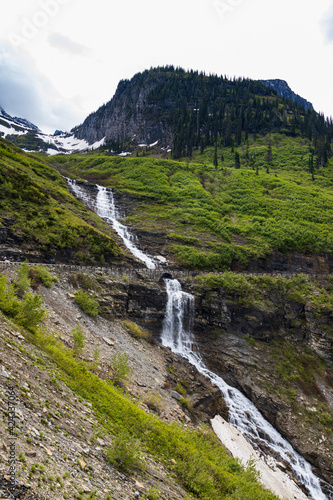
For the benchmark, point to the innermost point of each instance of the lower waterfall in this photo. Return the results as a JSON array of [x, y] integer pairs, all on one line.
[[177, 335], [105, 207]]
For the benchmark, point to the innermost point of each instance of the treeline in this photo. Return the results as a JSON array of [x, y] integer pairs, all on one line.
[[205, 109]]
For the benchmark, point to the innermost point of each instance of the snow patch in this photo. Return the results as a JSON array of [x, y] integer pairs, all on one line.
[[11, 130], [52, 152], [270, 475], [69, 144], [62, 143]]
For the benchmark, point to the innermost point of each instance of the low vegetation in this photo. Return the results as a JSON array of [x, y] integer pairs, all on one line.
[[255, 291], [86, 303], [37, 210], [214, 215], [196, 457], [136, 330]]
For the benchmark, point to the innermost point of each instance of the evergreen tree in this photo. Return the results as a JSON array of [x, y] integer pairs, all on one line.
[[237, 160], [269, 153], [215, 156], [311, 164]]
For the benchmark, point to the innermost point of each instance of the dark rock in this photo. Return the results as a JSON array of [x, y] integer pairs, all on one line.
[[167, 276]]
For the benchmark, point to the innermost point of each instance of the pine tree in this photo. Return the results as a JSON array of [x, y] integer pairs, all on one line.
[[215, 156], [237, 160], [311, 164], [269, 153]]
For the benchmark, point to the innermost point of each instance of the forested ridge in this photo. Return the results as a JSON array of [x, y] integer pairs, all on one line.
[[202, 110]]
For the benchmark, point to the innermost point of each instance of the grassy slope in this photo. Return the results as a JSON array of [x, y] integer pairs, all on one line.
[[213, 215], [45, 215]]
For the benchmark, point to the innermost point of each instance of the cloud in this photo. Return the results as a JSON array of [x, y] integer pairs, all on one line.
[[25, 92], [327, 24], [64, 43]]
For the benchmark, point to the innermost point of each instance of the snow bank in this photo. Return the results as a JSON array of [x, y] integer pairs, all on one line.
[[270, 475]]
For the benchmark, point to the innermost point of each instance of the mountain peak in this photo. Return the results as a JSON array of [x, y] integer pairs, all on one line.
[[186, 110], [283, 89], [18, 120]]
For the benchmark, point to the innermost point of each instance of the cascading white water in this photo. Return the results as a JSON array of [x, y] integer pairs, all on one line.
[[105, 207], [177, 335], [79, 192]]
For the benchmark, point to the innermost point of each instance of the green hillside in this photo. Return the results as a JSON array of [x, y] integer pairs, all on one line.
[[39, 216], [247, 180], [267, 195]]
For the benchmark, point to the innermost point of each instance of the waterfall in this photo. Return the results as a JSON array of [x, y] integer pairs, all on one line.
[[177, 335], [105, 207]]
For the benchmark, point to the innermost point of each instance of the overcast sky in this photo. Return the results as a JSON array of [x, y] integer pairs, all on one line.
[[62, 59]]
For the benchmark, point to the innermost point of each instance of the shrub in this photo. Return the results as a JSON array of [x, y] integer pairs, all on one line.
[[27, 312], [326, 419], [22, 282], [250, 339], [30, 312], [154, 402], [79, 340], [96, 359], [9, 303], [121, 370], [180, 388], [135, 330], [152, 494], [186, 403], [84, 281], [41, 273], [88, 304], [125, 453]]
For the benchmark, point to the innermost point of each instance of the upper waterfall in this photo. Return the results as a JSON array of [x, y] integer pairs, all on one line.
[[177, 335], [105, 207]]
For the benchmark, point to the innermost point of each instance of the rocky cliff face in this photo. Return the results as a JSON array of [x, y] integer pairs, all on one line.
[[283, 89], [249, 347], [128, 116], [273, 355]]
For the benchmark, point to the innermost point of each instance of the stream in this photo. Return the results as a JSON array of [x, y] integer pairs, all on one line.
[[104, 206], [177, 335]]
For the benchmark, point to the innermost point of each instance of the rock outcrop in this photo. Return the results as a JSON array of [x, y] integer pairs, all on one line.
[[283, 89], [128, 115]]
